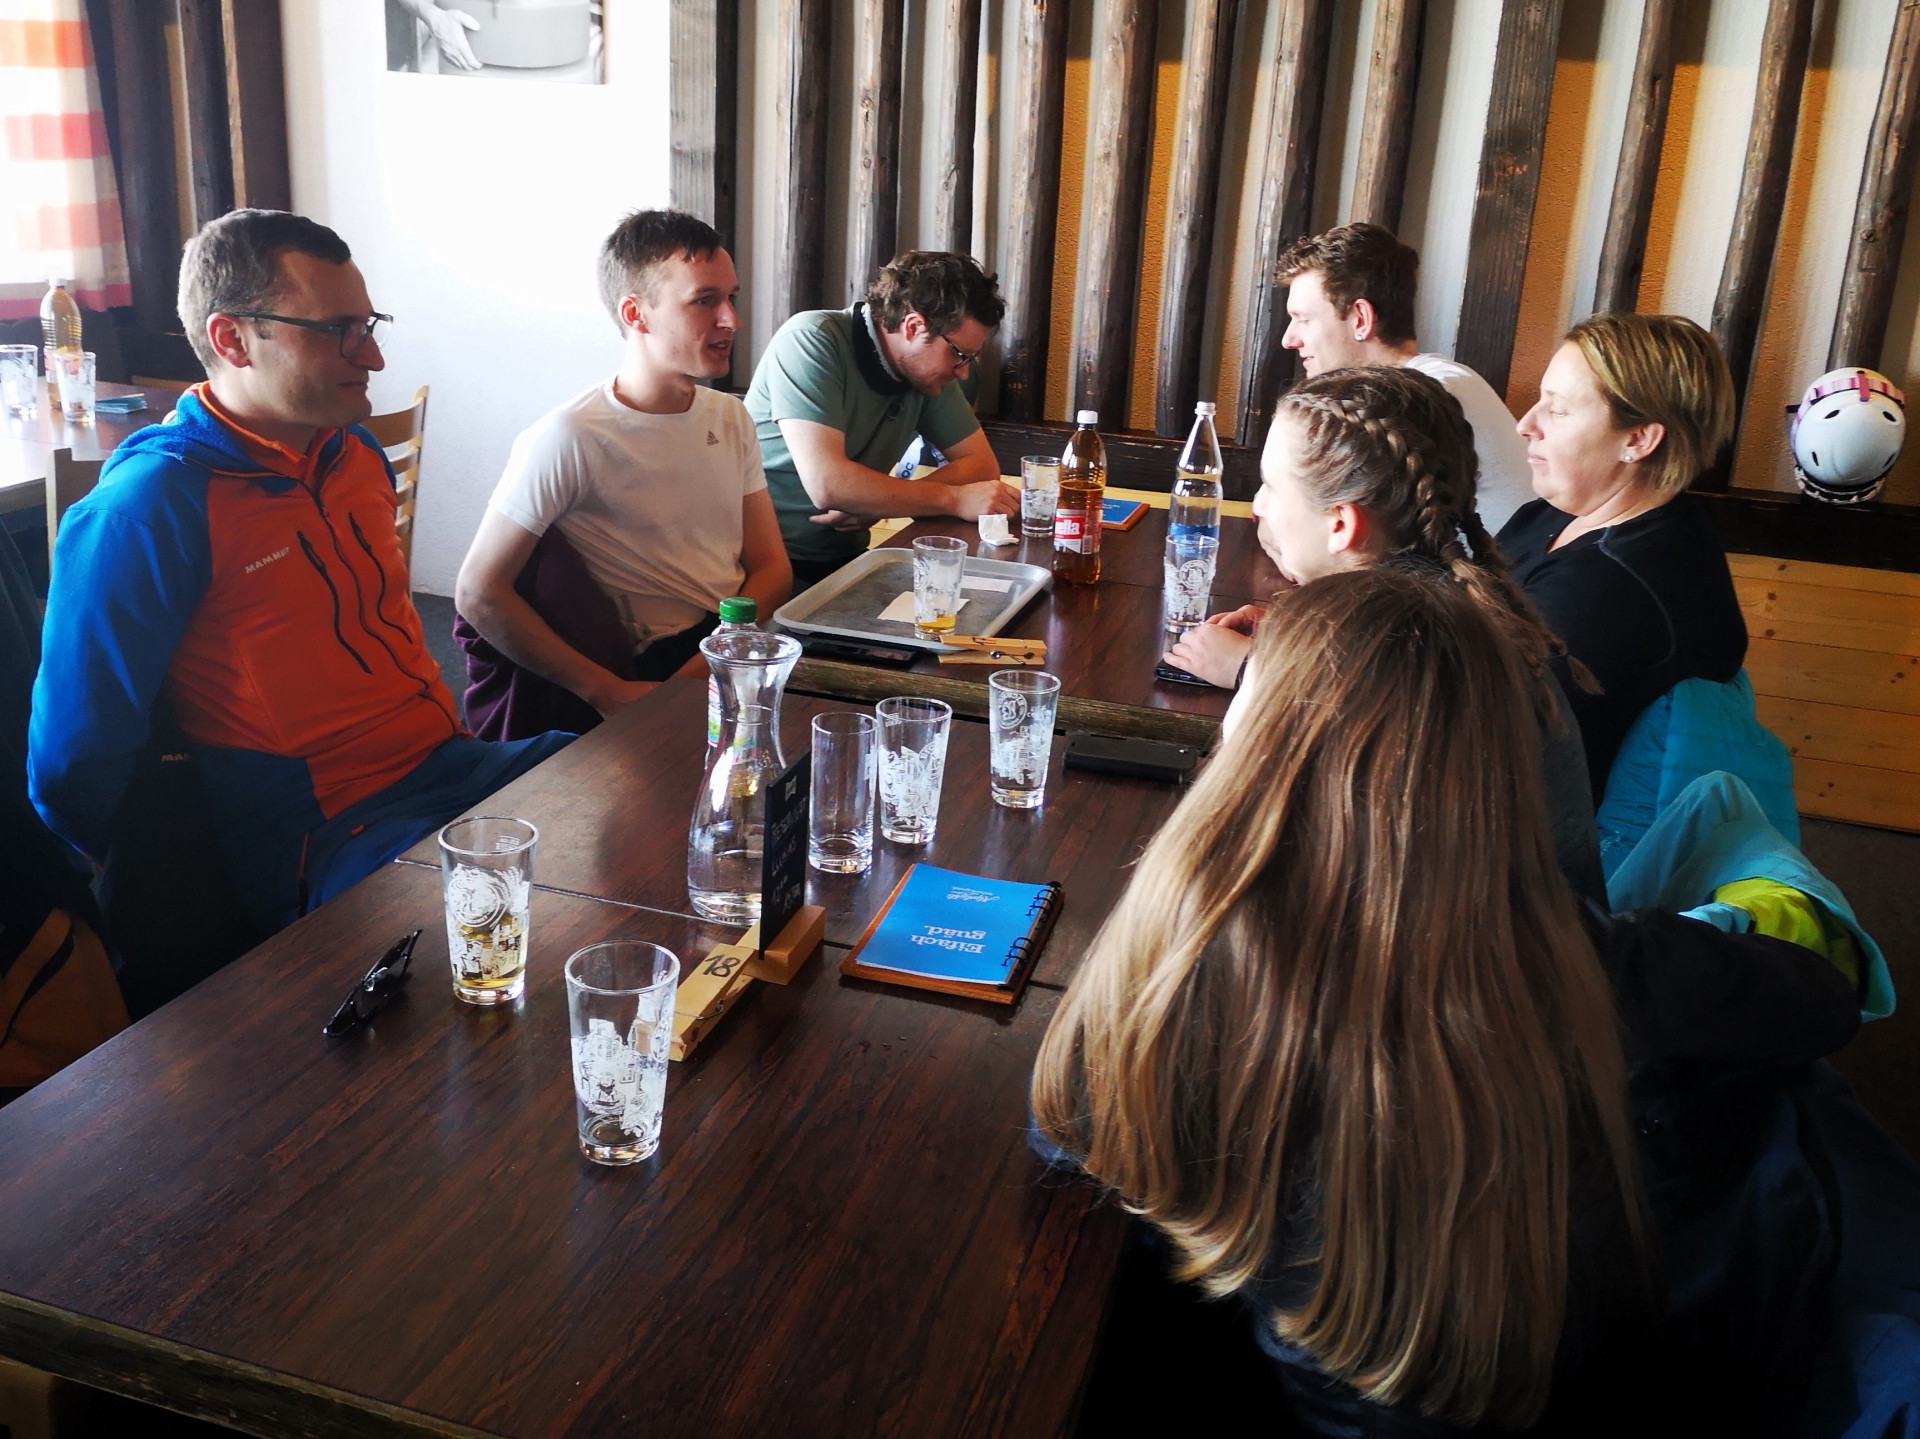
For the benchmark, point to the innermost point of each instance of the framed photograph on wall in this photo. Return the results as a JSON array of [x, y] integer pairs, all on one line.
[[498, 39]]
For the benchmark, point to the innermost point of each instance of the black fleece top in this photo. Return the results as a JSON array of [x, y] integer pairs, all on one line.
[[1642, 604]]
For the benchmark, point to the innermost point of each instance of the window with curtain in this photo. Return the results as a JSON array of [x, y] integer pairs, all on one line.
[[59, 205]]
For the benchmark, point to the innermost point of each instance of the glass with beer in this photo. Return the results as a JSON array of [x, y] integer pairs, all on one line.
[[486, 873], [939, 564]]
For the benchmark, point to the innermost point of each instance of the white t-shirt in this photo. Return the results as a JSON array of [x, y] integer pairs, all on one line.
[[651, 502], [1506, 480]]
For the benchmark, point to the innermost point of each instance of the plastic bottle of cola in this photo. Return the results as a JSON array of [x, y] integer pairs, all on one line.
[[1083, 493], [1194, 508], [737, 612]]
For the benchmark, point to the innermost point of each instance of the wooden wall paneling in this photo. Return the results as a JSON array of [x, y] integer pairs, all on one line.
[[1119, 142], [1880, 214], [1199, 139], [1763, 192], [209, 147], [257, 103], [800, 166], [876, 119], [143, 150], [1386, 126], [1523, 65], [1286, 200], [1033, 111], [704, 41], [1624, 251], [954, 128]]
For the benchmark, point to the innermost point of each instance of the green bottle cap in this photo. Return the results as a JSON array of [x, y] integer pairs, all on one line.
[[738, 610]]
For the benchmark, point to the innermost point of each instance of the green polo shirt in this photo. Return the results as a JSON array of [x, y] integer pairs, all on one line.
[[811, 372]]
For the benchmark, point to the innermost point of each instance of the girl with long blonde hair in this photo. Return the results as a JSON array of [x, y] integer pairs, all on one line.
[[1348, 1044]]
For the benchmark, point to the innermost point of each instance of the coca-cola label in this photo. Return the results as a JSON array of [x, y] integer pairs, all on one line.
[[1070, 530]]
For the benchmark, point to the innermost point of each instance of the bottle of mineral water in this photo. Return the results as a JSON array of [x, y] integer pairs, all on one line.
[[59, 331], [1194, 508], [737, 612]]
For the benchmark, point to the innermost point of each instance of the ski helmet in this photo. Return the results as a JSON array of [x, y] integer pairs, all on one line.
[[1846, 432]]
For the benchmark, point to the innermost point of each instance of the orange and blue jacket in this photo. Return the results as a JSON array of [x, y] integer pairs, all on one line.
[[264, 593]]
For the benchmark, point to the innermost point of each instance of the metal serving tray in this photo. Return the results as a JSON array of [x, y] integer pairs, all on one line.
[[848, 602]]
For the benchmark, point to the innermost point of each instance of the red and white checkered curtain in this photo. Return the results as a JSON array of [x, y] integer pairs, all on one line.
[[59, 206]]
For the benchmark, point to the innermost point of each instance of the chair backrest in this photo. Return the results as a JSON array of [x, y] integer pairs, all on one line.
[[67, 480], [401, 434]]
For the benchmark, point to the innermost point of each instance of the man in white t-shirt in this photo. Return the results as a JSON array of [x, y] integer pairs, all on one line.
[[652, 479], [1350, 302]]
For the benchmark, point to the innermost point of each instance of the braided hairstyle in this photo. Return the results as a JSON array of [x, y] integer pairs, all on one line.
[[1393, 442]]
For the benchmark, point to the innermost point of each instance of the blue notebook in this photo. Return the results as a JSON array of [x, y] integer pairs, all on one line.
[[1118, 514], [956, 933]]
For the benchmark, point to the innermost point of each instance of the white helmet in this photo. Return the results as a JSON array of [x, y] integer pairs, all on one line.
[[1846, 432]]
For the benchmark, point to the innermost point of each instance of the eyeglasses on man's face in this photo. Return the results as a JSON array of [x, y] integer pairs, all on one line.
[[962, 358], [353, 334]]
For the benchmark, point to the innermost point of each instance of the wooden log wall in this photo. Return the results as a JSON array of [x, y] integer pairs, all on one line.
[[800, 221], [1880, 214], [1386, 126], [953, 192], [876, 176], [1026, 278], [705, 35], [1624, 251]]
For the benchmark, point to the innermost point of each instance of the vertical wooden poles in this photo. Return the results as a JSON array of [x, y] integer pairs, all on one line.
[[1386, 127], [1880, 214], [1523, 64], [257, 104], [1624, 251], [876, 118], [953, 191], [704, 37], [1286, 199], [1197, 146], [1033, 106], [800, 167]]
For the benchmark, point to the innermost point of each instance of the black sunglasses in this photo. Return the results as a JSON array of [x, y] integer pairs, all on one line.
[[370, 995], [352, 334]]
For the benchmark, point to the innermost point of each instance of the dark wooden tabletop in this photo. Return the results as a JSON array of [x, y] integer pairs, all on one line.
[[613, 808], [27, 446], [843, 1232]]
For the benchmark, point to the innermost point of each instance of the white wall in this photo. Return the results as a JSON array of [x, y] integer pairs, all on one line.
[[476, 209]]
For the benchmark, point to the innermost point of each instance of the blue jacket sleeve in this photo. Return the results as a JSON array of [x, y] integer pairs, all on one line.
[[129, 568]]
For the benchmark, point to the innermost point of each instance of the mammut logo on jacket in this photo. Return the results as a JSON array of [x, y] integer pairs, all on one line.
[[265, 560], [712, 438]]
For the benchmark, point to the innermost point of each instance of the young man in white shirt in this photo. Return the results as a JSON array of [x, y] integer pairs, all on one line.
[[652, 479]]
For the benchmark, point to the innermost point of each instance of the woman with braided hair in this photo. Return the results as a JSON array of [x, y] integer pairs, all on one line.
[[1375, 465]]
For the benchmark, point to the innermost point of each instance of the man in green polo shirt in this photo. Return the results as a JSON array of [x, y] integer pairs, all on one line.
[[841, 394]]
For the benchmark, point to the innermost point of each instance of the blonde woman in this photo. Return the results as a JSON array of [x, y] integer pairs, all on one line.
[[1624, 565], [1348, 1044]]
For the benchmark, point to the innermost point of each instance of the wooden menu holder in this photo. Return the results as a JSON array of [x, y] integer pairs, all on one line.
[[779, 962], [710, 990]]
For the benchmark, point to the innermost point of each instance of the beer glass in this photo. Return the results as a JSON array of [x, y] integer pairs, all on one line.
[[19, 380], [620, 1016], [1039, 493], [939, 562], [840, 808], [1020, 735], [486, 873], [913, 763], [76, 384]]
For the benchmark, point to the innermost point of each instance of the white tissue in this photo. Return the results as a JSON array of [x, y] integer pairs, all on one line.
[[993, 531]]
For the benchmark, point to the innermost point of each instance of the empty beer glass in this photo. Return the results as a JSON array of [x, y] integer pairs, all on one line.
[[1020, 735], [620, 1015], [913, 764]]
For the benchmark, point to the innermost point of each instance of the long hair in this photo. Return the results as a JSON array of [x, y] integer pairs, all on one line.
[[1345, 1021], [1392, 441]]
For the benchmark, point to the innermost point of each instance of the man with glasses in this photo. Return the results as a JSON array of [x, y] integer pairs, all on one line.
[[840, 395], [233, 590]]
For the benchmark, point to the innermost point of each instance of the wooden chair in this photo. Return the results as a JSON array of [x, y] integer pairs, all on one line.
[[67, 480], [404, 431]]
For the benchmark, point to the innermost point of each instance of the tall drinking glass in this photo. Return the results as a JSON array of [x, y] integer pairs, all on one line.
[[1039, 495], [1020, 733], [1189, 565], [939, 562], [620, 1014], [913, 762], [19, 379], [840, 810], [76, 385], [486, 873]]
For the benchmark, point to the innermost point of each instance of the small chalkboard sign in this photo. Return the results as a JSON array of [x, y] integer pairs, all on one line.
[[783, 873]]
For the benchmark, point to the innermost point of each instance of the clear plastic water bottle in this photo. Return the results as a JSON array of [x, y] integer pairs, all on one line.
[[1194, 508], [737, 612], [59, 331]]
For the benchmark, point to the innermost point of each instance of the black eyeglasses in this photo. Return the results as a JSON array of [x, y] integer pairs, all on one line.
[[370, 995], [353, 334], [962, 358]]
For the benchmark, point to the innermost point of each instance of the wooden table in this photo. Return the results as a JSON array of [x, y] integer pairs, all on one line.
[[1102, 640], [843, 1232], [27, 446], [613, 808]]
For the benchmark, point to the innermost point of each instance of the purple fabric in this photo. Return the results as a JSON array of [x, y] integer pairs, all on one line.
[[506, 702]]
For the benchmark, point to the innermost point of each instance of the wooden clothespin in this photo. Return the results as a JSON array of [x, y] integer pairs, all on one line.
[[994, 650]]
